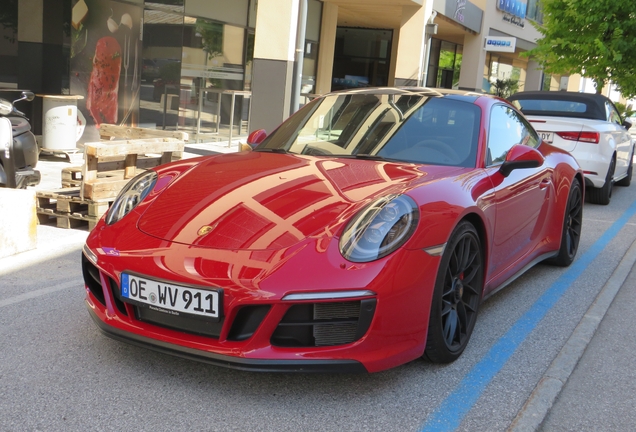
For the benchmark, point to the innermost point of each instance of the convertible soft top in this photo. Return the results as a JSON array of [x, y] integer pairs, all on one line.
[[561, 104]]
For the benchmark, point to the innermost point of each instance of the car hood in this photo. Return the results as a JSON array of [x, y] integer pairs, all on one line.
[[265, 201]]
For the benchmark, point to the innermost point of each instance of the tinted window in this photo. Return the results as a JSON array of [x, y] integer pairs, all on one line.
[[507, 129], [407, 127], [550, 105], [612, 114]]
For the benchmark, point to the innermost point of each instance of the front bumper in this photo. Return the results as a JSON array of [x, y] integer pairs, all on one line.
[[255, 365], [389, 329]]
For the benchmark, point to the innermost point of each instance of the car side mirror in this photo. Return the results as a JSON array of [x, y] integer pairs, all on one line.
[[256, 137], [520, 157], [627, 123]]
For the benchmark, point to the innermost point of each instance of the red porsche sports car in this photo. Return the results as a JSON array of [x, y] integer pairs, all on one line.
[[361, 234]]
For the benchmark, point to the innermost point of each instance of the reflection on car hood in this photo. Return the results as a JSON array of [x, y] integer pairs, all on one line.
[[261, 201]]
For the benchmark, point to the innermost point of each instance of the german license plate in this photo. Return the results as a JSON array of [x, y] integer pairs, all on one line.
[[170, 298], [546, 136]]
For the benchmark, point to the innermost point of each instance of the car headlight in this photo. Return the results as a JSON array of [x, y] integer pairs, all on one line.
[[379, 228], [131, 195]]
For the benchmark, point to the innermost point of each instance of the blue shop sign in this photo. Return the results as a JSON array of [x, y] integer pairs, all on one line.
[[513, 7]]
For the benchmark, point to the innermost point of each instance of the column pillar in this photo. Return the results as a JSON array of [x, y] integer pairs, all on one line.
[[274, 48], [327, 48], [534, 76], [411, 52], [471, 75]]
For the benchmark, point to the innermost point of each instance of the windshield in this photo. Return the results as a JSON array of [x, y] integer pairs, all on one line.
[[398, 127]]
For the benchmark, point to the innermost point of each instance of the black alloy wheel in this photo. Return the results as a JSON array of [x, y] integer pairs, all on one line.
[[572, 222], [458, 289]]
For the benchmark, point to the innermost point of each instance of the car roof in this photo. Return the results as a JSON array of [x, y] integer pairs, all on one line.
[[469, 96], [595, 103]]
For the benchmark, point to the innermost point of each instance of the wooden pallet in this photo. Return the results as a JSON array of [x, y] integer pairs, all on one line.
[[66, 209], [119, 161], [72, 176]]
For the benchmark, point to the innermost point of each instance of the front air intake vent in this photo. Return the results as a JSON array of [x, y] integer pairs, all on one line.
[[328, 311], [335, 334], [92, 280], [114, 288], [324, 324]]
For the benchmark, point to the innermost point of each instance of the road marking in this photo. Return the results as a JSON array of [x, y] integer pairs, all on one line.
[[38, 293], [449, 415]]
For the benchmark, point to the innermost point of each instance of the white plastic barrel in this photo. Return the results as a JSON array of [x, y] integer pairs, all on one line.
[[59, 122]]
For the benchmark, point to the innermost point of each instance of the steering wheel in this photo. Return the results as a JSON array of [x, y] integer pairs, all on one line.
[[441, 147]]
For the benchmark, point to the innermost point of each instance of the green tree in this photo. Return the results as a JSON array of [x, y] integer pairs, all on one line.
[[624, 110], [504, 87], [594, 38]]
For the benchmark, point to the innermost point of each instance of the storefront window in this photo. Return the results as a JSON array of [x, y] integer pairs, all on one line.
[[534, 11], [9, 43], [161, 65], [444, 64], [362, 58], [212, 62], [191, 56]]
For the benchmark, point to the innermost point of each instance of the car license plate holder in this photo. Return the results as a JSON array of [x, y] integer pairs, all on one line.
[[546, 136], [170, 298]]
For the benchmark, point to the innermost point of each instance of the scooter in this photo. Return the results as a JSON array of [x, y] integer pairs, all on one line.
[[18, 147]]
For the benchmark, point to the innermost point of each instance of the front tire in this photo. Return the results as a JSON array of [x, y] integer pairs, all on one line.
[[603, 195], [457, 294], [572, 222]]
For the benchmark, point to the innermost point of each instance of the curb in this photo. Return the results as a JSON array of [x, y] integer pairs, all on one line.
[[538, 405]]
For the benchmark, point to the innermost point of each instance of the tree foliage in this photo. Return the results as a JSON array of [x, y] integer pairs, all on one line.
[[594, 38], [504, 87]]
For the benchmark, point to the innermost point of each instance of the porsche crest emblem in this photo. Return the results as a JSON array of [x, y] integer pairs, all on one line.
[[205, 229]]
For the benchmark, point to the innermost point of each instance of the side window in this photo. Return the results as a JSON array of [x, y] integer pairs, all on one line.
[[507, 129], [612, 114]]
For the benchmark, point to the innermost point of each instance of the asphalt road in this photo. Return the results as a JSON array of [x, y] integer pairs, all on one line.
[[58, 372]]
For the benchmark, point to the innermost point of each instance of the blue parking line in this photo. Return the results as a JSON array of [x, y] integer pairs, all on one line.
[[454, 408]]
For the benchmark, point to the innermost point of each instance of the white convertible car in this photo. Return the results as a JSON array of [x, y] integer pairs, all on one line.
[[590, 128]]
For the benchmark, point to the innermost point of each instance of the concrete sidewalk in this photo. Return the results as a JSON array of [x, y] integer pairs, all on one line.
[[600, 395], [591, 384]]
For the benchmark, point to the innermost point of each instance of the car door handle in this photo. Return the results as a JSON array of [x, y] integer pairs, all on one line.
[[545, 183]]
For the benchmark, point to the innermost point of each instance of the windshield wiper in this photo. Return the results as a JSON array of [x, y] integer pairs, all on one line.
[[368, 157], [271, 150]]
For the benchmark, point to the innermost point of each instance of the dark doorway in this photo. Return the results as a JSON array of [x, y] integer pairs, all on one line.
[[362, 58]]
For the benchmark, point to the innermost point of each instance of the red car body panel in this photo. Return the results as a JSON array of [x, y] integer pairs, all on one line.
[[272, 223]]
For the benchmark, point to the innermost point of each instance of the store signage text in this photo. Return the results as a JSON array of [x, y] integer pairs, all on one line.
[[501, 44], [514, 11], [515, 8], [514, 20]]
